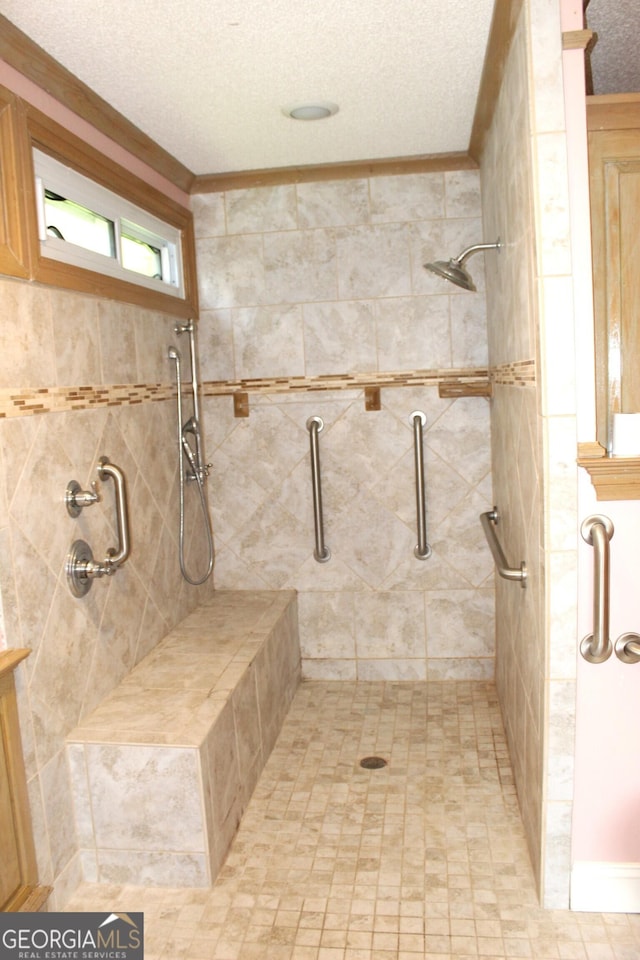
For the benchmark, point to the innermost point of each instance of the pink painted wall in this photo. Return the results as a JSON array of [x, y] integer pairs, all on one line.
[[606, 813], [29, 91], [606, 819]]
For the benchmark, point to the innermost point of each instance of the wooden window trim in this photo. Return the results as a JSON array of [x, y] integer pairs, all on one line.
[[23, 127], [14, 241]]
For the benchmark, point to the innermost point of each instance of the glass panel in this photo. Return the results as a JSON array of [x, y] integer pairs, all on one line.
[[141, 257], [76, 224]]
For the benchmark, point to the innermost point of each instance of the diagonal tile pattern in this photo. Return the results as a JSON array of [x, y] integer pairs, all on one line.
[[313, 280], [424, 858], [264, 525]]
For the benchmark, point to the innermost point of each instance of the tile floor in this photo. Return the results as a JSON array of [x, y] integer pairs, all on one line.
[[425, 857]]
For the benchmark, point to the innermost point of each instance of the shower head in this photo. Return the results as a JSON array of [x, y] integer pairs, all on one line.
[[454, 269], [174, 354]]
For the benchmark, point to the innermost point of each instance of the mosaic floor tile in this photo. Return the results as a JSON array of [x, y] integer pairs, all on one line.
[[423, 857]]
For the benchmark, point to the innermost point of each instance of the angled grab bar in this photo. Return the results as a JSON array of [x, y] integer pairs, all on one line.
[[596, 647], [321, 551], [80, 566], [422, 550], [489, 521]]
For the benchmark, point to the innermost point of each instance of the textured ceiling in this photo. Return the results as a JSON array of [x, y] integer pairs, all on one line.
[[615, 58], [207, 79]]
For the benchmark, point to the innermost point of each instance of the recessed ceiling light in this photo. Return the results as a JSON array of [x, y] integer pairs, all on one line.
[[311, 111]]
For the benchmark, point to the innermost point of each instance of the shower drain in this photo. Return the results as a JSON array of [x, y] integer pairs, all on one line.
[[373, 763]]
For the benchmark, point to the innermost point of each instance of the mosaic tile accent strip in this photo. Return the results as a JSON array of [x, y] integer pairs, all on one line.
[[345, 381], [25, 402], [520, 373]]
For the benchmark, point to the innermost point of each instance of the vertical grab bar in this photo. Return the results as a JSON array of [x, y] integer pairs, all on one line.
[[596, 647], [422, 550], [80, 566], [321, 551], [116, 557]]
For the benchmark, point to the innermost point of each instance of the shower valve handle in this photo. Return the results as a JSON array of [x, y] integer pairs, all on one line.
[[76, 498]]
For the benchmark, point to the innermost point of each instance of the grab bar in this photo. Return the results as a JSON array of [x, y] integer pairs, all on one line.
[[627, 647], [80, 566], [596, 647], [489, 521], [422, 550], [321, 552], [115, 558]]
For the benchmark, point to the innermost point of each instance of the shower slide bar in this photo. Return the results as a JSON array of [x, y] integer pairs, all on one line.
[[422, 550], [321, 551], [81, 568], [489, 522]]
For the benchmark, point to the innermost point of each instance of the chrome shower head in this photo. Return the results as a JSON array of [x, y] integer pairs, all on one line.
[[454, 269]]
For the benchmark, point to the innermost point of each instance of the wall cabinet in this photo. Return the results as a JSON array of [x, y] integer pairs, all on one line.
[[614, 172]]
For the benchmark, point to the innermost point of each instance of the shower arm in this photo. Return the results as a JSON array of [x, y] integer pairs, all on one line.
[[476, 248]]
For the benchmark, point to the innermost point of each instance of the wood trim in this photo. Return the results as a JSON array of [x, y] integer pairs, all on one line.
[[56, 140], [9, 659], [22, 53], [613, 478], [14, 243], [591, 450], [14, 771], [614, 111], [357, 169], [577, 39], [503, 26]]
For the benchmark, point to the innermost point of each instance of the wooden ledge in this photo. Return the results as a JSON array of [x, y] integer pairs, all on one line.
[[613, 478]]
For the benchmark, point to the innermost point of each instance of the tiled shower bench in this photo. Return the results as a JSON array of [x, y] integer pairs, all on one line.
[[163, 769]]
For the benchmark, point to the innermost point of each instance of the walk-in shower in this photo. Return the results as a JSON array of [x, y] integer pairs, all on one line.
[[191, 458], [454, 269]]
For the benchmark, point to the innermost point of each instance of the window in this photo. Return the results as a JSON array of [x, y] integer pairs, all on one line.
[[83, 224]]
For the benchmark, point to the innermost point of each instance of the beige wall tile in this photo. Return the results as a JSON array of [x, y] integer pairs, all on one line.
[[261, 209], [333, 203]]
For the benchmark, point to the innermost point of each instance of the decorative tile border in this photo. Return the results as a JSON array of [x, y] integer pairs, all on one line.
[[346, 381], [24, 403], [516, 374]]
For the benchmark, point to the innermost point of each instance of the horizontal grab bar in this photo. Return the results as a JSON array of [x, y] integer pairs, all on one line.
[[489, 521]]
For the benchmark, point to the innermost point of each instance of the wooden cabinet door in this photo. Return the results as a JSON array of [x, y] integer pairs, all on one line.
[[614, 161]]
